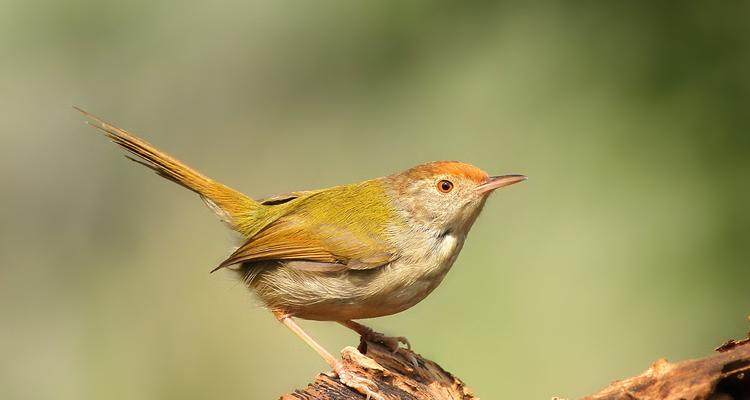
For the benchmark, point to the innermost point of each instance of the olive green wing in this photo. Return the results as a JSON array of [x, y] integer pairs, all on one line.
[[322, 231], [321, 247]]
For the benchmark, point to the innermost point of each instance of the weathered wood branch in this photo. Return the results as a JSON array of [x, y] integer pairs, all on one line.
[[723, 376], [394, 374]]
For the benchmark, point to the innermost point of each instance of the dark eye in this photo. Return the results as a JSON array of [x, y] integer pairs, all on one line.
[[445, 186]]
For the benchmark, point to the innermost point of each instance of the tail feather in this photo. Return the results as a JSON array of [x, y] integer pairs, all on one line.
[[227, 203]]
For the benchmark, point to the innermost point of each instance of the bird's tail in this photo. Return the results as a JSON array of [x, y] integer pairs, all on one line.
[[229, 204]]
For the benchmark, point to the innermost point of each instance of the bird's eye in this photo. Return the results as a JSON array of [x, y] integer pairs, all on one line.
[[445, 186]]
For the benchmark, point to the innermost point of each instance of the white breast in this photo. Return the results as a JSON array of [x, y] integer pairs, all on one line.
[[418, 275]]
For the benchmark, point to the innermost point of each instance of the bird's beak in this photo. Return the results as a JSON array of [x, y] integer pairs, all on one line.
[[496, 182]]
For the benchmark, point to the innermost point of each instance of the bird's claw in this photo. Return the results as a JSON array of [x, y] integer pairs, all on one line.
[[358, 383], [393, 343], [402, 340], [409, 356]]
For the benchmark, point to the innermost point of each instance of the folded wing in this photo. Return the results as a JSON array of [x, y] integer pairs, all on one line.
[[316, 248]]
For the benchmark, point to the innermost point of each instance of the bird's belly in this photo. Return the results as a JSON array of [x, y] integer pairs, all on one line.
[[352, 294]]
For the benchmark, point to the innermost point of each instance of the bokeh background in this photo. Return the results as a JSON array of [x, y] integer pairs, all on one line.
[[629, 242]]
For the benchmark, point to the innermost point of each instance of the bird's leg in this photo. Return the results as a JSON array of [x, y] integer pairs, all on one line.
[[346, 377], [392, 342]]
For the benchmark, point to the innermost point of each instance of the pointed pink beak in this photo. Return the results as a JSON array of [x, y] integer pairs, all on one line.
[[496, 182]]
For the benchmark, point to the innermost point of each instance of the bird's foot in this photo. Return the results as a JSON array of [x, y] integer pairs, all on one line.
[[358, 383], [393, 343]]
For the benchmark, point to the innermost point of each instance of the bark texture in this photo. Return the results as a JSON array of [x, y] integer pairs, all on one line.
[[723, 376], [394, 374]]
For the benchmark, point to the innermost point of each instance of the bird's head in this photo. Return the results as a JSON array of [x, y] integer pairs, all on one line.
[[445, 195]]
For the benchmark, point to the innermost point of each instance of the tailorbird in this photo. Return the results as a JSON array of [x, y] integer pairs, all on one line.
[[355, 251]]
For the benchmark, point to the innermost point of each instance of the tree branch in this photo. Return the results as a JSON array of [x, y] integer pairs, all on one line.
[[394, 374], [723, 376]]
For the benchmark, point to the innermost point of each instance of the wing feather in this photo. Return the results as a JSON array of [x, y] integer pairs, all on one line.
[[285, 240], [304, 235]]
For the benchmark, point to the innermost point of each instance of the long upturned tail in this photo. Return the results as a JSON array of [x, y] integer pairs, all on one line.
[[229, 204]]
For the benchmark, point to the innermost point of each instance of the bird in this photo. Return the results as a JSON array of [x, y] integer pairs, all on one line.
[[344, 253]]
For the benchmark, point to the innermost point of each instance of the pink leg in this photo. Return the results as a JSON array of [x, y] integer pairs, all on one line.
[[346, 377]]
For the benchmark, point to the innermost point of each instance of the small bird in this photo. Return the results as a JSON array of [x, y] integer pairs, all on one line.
[[355, 251]]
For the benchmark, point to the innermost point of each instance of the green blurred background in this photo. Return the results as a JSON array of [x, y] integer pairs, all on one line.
[[629, 242]]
